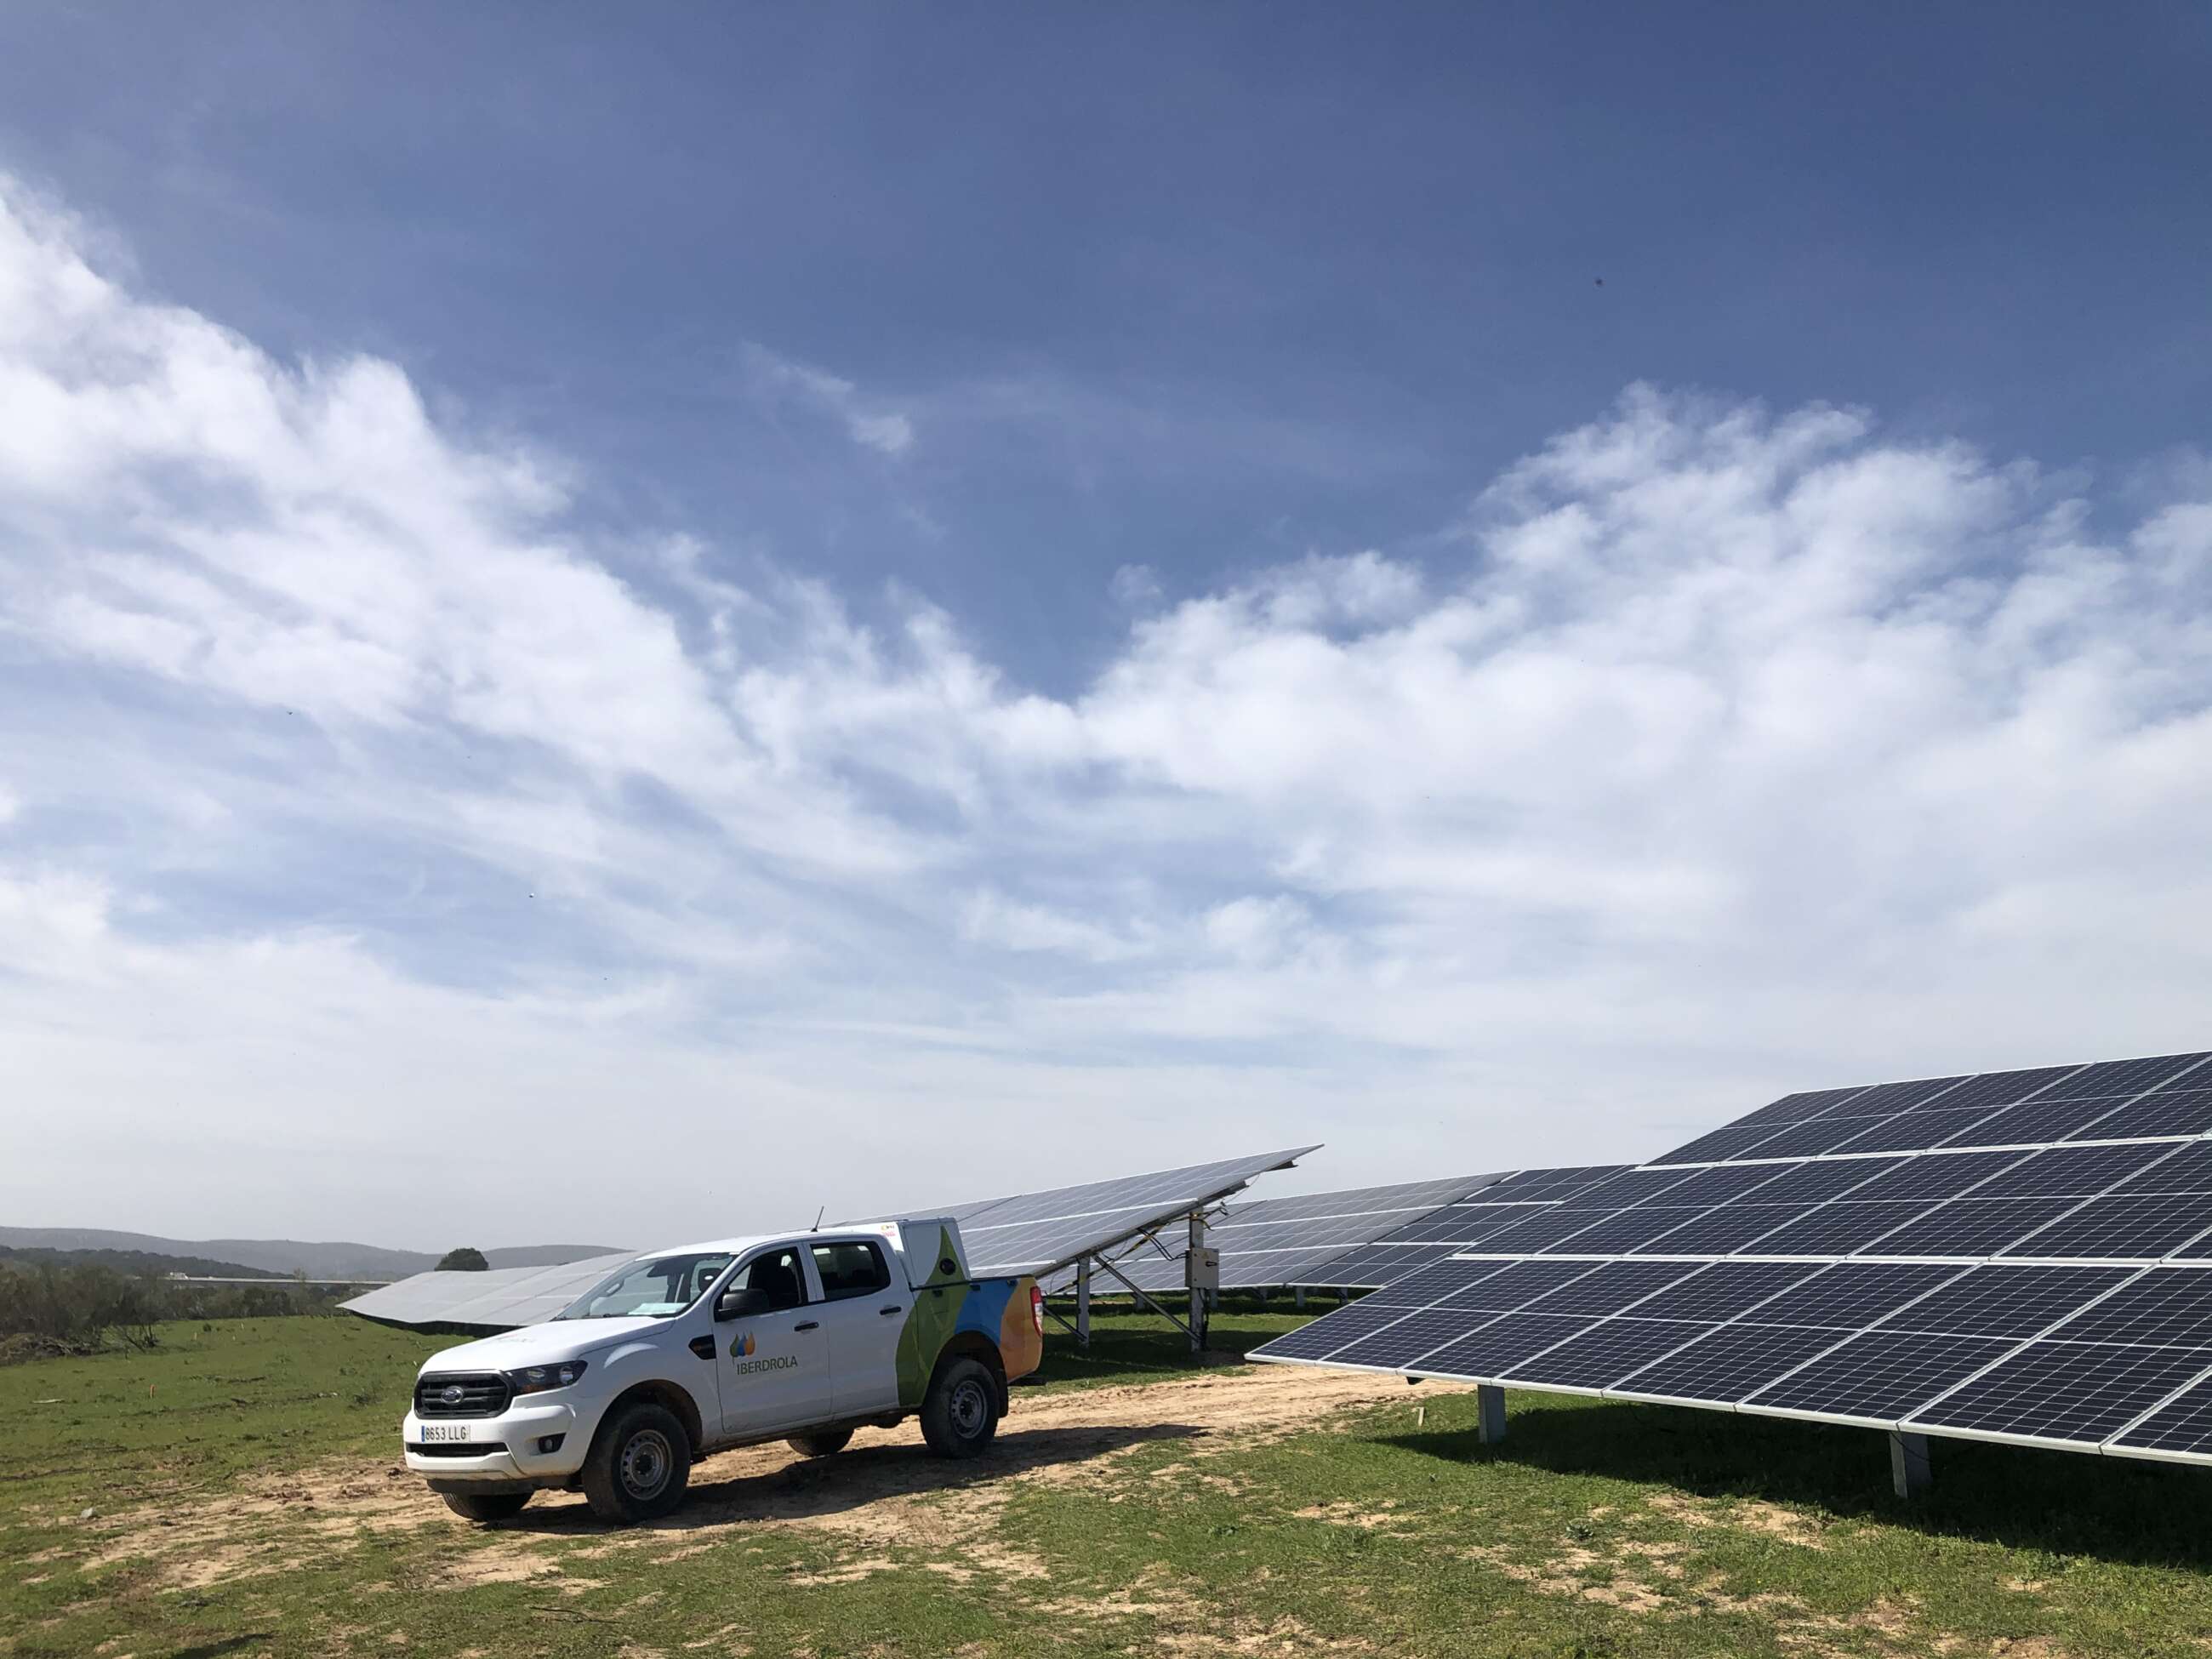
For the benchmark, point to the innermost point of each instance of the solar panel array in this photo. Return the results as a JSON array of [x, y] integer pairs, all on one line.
[[1026, 1233], [1038, 1232], [1358, 1238], [1461, 1224], [1267, 1241], [2022, 1256], [501, 1300]]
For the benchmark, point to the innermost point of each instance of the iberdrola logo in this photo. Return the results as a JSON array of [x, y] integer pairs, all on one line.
[[744, 1344]]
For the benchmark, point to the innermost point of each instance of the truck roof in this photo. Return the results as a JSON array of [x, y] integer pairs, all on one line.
[[739, 1246]]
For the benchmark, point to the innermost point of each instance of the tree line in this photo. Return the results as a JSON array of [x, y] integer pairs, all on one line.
[[49, 1307]]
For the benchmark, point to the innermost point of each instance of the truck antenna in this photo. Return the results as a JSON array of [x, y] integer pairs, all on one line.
[[818, 1214]]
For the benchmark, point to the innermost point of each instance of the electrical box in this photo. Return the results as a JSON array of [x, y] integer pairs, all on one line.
[[1202, 1268]]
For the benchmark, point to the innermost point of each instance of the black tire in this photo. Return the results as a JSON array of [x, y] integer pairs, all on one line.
[[639, 1465], [960, 1412], [486, 1505], [820, 1445]]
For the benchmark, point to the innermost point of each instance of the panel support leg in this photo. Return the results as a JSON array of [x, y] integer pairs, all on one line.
[[1083, 1303], [1299, 1298], [1490, 1413], [1909, 1470], [1197, 1243]]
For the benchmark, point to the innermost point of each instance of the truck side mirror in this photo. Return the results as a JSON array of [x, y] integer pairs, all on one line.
[[742, 1303]]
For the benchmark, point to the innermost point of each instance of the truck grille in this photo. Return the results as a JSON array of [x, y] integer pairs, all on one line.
[[481, 1393], [459, 1448]]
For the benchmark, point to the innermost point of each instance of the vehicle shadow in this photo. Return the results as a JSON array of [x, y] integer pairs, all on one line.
[[2115, 1509], [755, 1487]]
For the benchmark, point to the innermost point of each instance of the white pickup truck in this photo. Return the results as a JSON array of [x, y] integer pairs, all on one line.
[[684, 1351]]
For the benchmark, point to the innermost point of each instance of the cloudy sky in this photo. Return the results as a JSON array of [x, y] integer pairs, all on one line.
[[617, 628]]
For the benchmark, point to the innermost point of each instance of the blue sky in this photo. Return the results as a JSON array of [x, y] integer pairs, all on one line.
[[1485, 589]]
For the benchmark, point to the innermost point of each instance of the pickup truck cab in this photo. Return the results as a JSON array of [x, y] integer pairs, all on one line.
[[701, 1347]]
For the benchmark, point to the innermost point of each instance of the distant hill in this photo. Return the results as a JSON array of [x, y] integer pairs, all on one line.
[[287, 1255], [134, 1262]]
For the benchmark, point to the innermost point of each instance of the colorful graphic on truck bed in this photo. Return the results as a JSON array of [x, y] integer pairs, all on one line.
[[997, 1309]]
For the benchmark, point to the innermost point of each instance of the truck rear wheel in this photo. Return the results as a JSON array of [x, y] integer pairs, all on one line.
[[960, 1413], [639, 1465], [820, 1445], [486, 1505]]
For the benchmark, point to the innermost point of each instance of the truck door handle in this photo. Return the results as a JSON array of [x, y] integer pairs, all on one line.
[[887, 1312], [808, 1325]]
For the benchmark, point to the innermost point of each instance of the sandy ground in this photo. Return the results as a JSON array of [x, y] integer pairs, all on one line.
[[885, 1489]]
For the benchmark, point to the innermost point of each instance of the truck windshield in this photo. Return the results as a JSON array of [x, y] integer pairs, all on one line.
[[658, 1287]]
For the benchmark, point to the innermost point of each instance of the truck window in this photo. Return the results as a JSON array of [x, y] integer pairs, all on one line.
[[850, 1269], [777, 1273], [658, 1287]]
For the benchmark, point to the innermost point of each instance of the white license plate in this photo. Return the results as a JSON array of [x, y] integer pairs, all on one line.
[[435, 1432]]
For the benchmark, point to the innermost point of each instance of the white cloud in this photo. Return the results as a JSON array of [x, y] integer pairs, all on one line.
[[1137, 586], [1723, 751], [867, 421]]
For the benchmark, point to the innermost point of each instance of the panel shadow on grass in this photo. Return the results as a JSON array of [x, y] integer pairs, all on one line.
[[2115, 1509]]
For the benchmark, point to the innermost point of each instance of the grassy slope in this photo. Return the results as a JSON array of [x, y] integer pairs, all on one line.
[[1597, 1529]]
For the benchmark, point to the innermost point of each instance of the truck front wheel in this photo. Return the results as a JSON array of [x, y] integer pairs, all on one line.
[[485, 1505], [639, 1465], [820, 1445], [960, 1413]]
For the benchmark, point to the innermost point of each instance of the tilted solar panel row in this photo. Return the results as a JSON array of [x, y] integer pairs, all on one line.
[[1359, 1238], [2056, 1293]]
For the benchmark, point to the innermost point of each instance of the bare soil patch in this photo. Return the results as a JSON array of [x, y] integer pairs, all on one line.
[[884, 1490]]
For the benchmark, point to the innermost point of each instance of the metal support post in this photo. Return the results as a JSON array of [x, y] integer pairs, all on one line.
[[1197, 1243], [1299, 1298], [1142, 1299], [1083, 1302], [1490, 1413], [1909, 1469]]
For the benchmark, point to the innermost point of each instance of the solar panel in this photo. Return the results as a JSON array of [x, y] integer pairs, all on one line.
[[2018, 1256], [1725, 1365], [1613, 1288], [1491, 1350], [1607, 1234], [1038, 1232], [2004, 1301], [1269, 1241], [1515, 1285], [1721, 1230], [2179, 1112], [1604, 1352], [2063, 1392], [1847, 1296], [2121, 1226], [1877, 1376], [1970, 1226], [501, 1300], [2031, 1123], [2181, 1428], [1026, 1233], [2161, 1310], [1724, 1289]]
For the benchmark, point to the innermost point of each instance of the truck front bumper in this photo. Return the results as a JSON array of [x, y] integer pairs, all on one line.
[[532, 1443]]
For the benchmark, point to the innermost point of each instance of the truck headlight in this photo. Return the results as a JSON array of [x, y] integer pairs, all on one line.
[[536, 1379]]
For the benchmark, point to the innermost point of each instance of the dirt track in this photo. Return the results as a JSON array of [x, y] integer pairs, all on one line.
[[869, 1495]]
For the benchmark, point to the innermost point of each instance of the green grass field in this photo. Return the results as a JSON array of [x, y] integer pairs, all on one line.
[[242, 1501]]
